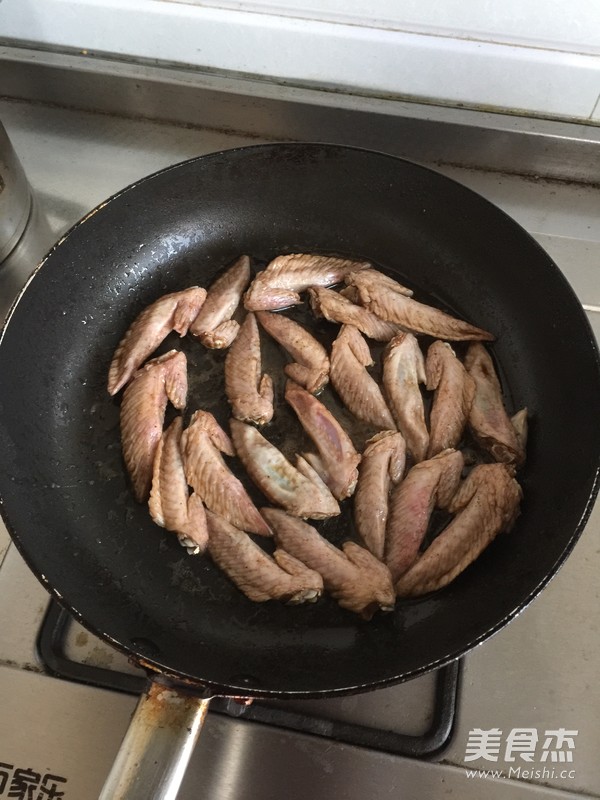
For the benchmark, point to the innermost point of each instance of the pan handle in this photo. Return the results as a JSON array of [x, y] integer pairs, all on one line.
[[157, 747]]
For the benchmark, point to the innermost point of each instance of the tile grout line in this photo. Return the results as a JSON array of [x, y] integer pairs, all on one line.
[[595, 108]]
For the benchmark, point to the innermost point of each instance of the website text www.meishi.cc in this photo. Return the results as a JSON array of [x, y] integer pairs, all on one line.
[[523, 773]]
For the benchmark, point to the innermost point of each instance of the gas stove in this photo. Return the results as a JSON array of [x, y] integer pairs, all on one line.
[[66, 697]]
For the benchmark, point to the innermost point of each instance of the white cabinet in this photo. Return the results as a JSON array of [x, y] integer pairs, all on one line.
[[538, 57]]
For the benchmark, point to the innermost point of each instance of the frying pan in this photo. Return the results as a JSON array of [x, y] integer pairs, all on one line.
[[63, 489]]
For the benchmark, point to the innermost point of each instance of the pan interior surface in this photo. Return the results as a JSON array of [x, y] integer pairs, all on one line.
[[64, 492]]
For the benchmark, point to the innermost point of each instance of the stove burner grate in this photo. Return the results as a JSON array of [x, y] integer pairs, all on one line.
[[428, 745]]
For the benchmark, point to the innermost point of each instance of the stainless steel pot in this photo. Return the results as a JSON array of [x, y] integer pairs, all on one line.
[[15, 197]]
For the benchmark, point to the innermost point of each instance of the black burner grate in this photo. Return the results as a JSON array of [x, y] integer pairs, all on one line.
[[428, 745]]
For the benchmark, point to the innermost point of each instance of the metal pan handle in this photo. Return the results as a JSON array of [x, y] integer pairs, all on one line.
[[157, 747]]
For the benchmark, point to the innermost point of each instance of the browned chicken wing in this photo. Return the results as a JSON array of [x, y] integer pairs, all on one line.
[[337, 307], [143, 415], [350, 355], [213, 325], [170, 503], [298, 489], [521, 425], [488, 419], [260, 576], [487, 503], [172, 312], [394, 306], [349, 292], [374, 281], [250, 393], [206, 472], [280, 284], [311, 364], [403, 371], [353, 576], [428, 484], [382, 466], [454, 392], [337, 460]]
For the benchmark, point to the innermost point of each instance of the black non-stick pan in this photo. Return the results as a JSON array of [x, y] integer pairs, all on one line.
[[65, 497]]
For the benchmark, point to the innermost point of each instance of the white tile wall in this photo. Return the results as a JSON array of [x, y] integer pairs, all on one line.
[[475, 57], [573, 26]]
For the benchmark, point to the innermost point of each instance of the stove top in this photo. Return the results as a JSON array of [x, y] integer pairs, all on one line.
[[416, 719], [65, 706]]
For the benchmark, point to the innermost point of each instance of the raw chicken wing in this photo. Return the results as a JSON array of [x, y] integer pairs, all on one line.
[[173, 312], [280, 284], [374, 281], [429, 484], [260, 576], [250, 393], [337, 307], [350, 355], [311, 364], [454, 392], [353, 576], [487, 503], [488, 420], [171, 505], [143, 415], [394, 306], [337, 459], [213, 325], [403, 371], [298, 489], [202, 444], [521, 425], [381, 466]]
